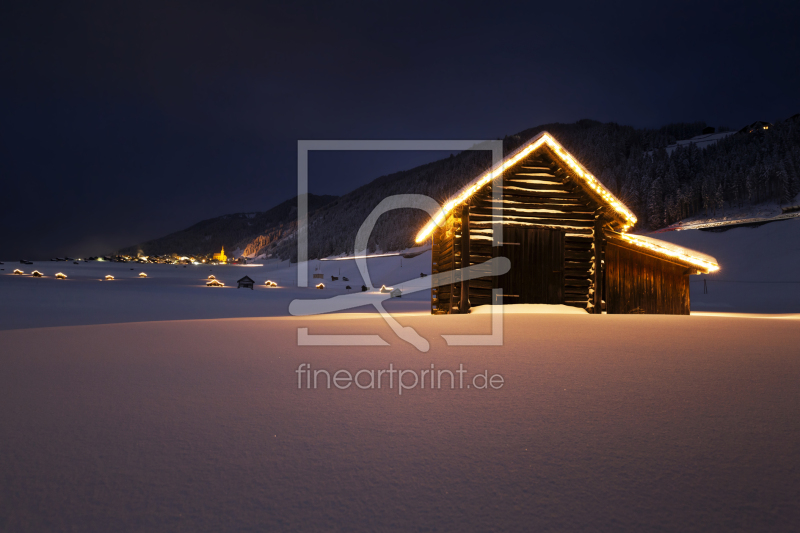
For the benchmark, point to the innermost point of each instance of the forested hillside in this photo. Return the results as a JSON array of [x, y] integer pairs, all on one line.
[[663, 188], [236, 231], [659, 187]]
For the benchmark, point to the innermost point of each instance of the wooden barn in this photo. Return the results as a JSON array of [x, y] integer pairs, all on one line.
[[245, 282], [565, 235]]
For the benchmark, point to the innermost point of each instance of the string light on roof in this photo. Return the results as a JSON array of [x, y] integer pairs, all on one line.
[[676, 252], [562, 154]]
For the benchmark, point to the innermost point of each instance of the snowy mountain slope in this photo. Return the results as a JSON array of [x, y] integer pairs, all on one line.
[[734, 214], [701, 141]]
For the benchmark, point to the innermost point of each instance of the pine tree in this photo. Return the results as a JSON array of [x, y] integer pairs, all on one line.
[[655, 205]]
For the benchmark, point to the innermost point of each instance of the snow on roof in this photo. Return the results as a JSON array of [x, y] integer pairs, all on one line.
[[683, 255], [543, 138]]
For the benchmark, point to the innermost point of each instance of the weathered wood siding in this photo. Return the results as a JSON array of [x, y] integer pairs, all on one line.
[[445, 254], [537, 193], [537, 265], [640, 283]]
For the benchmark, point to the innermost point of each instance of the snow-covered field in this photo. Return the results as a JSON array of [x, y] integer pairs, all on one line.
[[760, 274], [610, 423], [177, 293], [161, 404]]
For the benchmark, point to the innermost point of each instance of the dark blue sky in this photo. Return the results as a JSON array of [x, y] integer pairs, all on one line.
[[121, 122]]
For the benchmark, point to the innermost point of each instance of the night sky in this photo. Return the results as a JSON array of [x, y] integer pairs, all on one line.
[[121, 122]]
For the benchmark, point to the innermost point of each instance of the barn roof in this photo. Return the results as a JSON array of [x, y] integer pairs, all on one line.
[[615, 208], [542, 141], [246, 279], [666, 250]]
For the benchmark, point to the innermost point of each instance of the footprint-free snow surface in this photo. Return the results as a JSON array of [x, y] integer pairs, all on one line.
[[602, 423]]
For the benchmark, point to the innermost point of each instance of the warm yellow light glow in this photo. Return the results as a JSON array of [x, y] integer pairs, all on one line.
[[212, 276], [221, 257], [36, 274], [215, 283], [142, 275], [109, 277], [512, 160], [359, 257], [321, 286], [18, 272], [271, 283], [676, 253], [61, 276]]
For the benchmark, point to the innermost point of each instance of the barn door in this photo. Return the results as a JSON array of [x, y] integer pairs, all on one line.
[[537, 265]]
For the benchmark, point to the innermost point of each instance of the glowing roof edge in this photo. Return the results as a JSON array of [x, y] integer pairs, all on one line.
[[515, 157], [685, 255]]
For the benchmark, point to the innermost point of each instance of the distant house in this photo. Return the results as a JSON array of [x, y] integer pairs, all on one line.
[[245, 282], [221, 257], [565, 236], [756, 127]]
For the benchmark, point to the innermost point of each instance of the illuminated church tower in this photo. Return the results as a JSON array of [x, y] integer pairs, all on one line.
[[221, 257]]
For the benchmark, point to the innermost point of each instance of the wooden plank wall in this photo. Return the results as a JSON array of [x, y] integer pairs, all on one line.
[[640, 283], [443, 257], [537, 193], [537, 265]]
